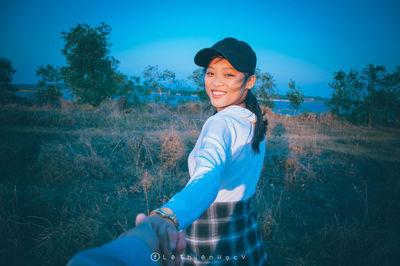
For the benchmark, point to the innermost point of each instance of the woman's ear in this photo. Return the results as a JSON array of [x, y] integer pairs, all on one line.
[[250, 82]]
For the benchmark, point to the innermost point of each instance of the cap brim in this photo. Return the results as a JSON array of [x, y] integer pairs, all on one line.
[[204, 56]]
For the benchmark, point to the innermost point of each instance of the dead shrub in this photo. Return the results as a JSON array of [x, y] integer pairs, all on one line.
[[192, 108], [67, 105], [268, 113], [292, 168], [172, 148]]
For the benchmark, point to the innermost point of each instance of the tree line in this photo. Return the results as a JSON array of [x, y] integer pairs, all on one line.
[[371, 96], [92, 76]]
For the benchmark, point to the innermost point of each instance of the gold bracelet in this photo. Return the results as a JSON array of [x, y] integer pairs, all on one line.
[[168, 214]]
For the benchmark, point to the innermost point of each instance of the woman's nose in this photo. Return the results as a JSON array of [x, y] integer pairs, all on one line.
[[217, 81]]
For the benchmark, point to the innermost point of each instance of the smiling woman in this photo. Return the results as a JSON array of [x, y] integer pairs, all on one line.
[[215, 207]]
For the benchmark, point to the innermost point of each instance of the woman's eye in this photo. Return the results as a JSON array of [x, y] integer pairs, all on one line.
[[229, 75], [209, 73]]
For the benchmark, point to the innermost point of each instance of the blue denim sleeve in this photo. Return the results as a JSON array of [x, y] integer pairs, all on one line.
[[122, 251]]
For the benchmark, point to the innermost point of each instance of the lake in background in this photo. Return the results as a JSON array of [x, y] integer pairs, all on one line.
[[281, 106]]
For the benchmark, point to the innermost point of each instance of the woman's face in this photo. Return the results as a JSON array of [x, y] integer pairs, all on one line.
[[225, 86]]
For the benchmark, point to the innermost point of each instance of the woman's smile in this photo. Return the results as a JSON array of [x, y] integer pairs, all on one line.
[[218, 93]]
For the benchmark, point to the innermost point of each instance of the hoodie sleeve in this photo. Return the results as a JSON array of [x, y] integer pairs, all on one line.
[[210, 154]]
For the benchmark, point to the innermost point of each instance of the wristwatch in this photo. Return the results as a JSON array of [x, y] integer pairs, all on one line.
[[167, 213]]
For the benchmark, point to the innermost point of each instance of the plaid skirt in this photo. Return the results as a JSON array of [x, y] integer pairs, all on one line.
[[225, 234]]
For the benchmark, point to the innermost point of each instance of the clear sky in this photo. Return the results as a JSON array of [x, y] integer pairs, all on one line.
[[302, 40]]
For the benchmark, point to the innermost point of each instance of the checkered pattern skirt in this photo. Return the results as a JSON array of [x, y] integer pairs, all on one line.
[[225, 234]]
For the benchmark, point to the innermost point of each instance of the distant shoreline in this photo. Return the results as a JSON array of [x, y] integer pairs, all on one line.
[[306, 100], [33, 88]]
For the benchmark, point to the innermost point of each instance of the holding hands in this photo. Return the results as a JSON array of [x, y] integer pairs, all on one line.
[[160, 235], [171, 242], [152, 234]]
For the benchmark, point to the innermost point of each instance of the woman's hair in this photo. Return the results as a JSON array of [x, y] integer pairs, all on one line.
[[252, 105], [261, 124]]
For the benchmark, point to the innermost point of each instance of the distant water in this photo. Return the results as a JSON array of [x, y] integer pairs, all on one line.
[[67, 95], [30, 94], [281, 107]]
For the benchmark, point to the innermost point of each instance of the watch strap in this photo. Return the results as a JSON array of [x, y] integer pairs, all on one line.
[[168, 214]]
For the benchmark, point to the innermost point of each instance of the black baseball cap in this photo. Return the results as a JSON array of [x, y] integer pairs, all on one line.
[[238, 53]]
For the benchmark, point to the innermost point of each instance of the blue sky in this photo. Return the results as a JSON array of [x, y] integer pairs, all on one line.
[[302, 40]]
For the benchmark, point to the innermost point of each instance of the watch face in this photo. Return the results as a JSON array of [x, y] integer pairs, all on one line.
[[166, 210]]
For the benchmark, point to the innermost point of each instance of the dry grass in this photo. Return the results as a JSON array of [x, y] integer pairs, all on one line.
[[74, 179], [324, 188]]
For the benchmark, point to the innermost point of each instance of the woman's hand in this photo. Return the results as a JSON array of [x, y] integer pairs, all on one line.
[[144, 232], [172, 242], [147, 229]]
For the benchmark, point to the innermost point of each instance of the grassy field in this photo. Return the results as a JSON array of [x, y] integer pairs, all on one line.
[[71, 179]]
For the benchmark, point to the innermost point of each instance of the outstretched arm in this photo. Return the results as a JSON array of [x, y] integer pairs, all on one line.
[[134, 247], [209, 156]]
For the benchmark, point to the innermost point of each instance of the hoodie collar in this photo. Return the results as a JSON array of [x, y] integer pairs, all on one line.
[[241, 112]]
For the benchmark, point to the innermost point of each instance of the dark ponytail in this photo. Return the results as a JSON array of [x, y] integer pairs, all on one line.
[[261, 125]]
